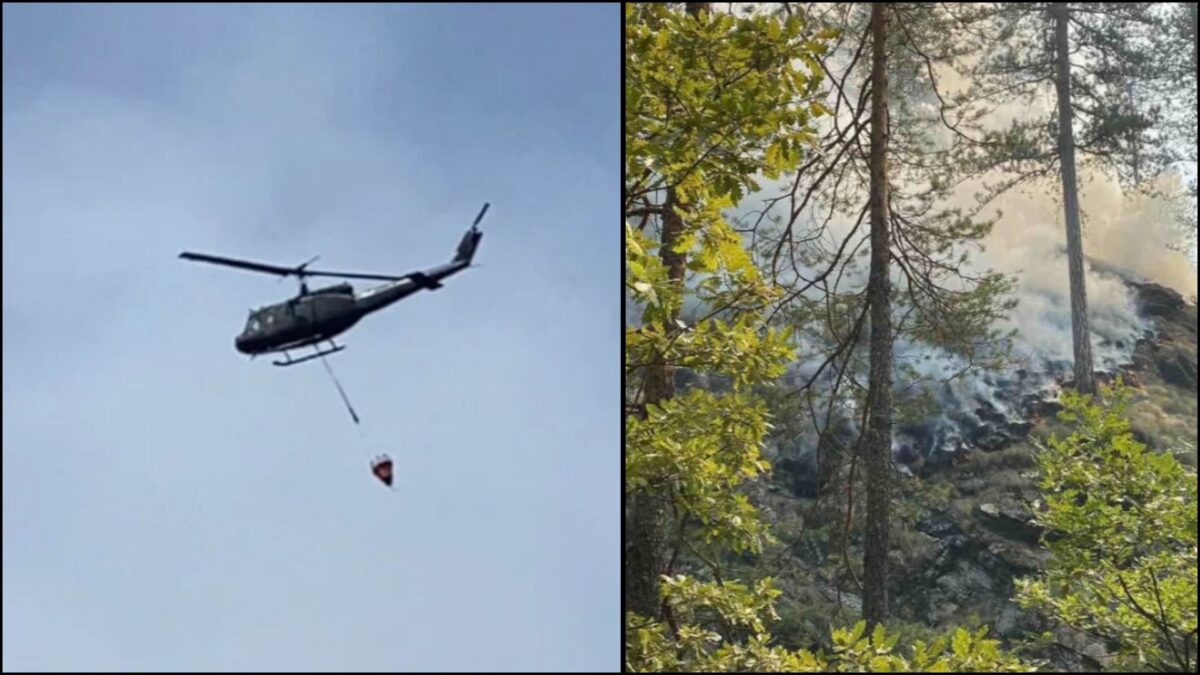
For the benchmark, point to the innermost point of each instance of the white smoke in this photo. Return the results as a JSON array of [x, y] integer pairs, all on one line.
[[1028, 245], [1127, 230]]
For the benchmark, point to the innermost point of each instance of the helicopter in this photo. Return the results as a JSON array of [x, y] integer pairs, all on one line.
[[316, 316]]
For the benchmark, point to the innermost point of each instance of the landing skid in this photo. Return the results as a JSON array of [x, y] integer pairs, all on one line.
[[291, 362]]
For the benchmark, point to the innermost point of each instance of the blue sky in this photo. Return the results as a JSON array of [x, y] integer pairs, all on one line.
[[170, 505]]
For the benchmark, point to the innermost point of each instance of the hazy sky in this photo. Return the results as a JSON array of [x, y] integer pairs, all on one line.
[[170, 505]]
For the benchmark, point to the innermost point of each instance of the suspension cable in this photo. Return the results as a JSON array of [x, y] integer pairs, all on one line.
[[341, 391]]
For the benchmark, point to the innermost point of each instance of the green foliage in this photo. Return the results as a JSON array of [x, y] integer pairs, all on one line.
[[1124, 563], [650, 646], [699, 446], [968, 653], [938, 296], [734, 604], [703, 445], [1118, 74], [712, 100], [735, 348]]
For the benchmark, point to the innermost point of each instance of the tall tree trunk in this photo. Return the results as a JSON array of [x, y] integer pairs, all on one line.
[[1137, 155], [1081, 338], [650, 507], [879, 396]]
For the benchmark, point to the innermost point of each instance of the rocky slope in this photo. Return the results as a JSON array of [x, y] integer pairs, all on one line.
[[962, 532]]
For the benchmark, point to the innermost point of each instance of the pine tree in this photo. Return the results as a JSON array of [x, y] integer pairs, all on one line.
[[1092, 55], [914, 236], [699, 445], [879, 401]]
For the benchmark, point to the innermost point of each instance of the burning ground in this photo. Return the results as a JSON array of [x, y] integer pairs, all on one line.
[[961, 530]]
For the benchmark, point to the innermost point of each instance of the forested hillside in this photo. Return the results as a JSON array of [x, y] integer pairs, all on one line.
[[910, 342]]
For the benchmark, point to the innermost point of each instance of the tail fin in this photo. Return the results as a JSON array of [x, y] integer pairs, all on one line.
[[470, 240]]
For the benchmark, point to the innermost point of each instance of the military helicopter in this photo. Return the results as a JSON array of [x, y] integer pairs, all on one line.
[[316, 316]]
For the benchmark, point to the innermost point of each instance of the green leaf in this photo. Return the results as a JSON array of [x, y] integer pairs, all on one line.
[[878, 636], [881, 664], [961, 644], [857, 633]]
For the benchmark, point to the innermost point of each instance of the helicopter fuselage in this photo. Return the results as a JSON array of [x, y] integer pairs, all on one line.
[[319, 315], [315, 316]]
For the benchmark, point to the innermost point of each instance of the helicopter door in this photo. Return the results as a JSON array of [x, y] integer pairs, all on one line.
[[301, 310]]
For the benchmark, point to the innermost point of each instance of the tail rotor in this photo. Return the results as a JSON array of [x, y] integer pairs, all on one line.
[[479, 217], [470, 240]]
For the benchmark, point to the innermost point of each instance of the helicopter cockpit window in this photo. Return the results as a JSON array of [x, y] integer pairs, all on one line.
[[253, 325]]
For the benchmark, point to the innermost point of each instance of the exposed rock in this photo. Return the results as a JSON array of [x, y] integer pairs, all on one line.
[[798, 475], [965, 583], [1158, 300], [989, 439], [1080, 652], [944, 457], [988, 413], [1013, 622], [850, 601], [943, 612], [992, 563], [921, 433], [968, 555], [1010, 559], [951, 550], [908, 455], [972, 485], [939, 525], [1039, 408], [923, 551], [1011, 522], [1020, 429], [1178, 368]]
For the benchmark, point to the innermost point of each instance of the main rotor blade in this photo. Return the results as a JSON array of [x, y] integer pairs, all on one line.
[[242, 264], [287, 271], [283, 271], [355, 275]]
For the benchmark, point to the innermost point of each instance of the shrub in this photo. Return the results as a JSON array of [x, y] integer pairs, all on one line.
[[1124, 568]]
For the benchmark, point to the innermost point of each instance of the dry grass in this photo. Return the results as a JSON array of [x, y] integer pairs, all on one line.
[[1167, 418], [1187, 457], [913, 545], [962, 507], [1016, 457], [1007, 482]]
